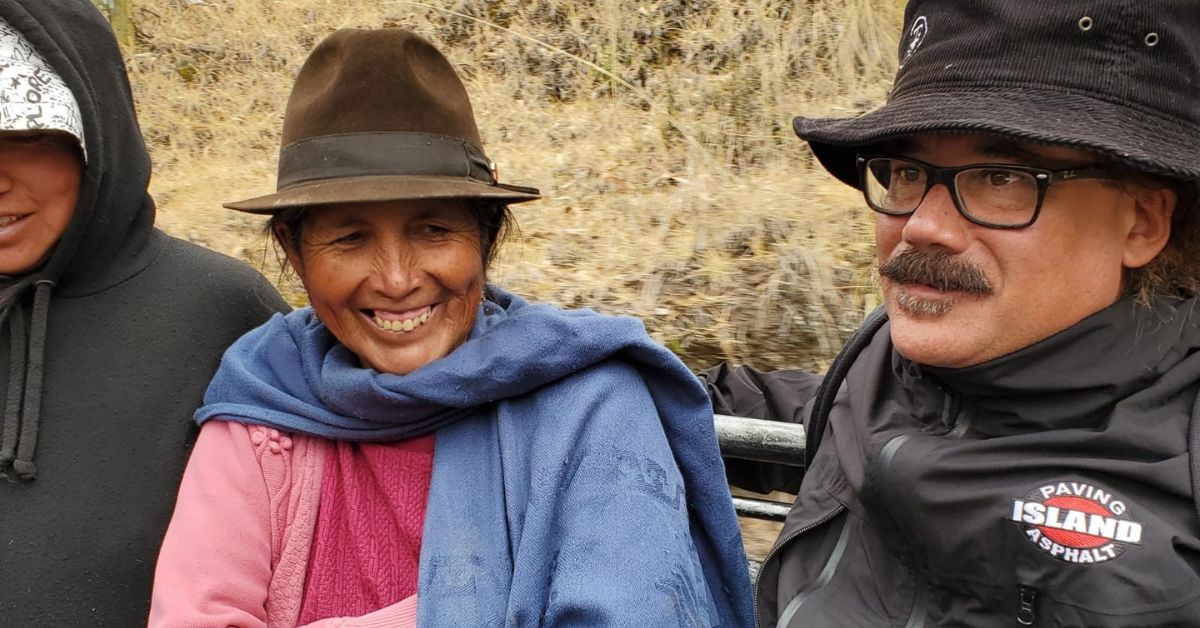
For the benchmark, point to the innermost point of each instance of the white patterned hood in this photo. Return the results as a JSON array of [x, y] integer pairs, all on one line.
[[33, 96]]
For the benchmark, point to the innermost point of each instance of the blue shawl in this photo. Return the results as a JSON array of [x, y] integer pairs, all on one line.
[[576, 475]]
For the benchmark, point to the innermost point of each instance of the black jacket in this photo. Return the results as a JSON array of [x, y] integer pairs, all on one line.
[[1048, 487], [134, 326]]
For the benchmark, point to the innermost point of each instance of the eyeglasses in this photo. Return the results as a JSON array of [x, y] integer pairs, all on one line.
[[1001, 196]]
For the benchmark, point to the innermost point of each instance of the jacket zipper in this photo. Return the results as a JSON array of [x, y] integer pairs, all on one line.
[[951, 407], [916, 616], [779, 546], [1026, 613], [916, 619]]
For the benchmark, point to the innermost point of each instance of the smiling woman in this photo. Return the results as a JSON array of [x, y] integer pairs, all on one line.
[[418, 429], [95, 372], [39, 184], [397, 282]]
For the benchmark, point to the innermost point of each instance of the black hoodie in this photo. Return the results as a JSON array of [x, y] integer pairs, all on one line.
[[116, 336]]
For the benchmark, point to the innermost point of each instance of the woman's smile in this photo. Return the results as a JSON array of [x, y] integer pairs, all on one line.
[[416, 266], [400, 321]]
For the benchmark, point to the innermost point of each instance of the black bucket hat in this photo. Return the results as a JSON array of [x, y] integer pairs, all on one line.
[[1113, 76]]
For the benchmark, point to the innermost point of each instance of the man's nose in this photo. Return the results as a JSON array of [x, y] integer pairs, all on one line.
[[937, 223]]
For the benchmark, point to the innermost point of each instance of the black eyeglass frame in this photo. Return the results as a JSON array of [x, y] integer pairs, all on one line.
[[1044, 177]]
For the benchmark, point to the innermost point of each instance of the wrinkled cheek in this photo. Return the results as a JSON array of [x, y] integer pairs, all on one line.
[[462, 317], [331, 308], [460, 273]]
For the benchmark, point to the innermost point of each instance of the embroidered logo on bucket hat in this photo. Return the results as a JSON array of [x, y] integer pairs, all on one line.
[[33, 97], [916, 37]]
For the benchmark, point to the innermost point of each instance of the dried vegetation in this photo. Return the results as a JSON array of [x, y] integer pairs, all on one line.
[[658, 131]]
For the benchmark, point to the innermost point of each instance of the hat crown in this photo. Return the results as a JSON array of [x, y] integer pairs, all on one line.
[[1144, 55], [378, 81], [380, 116]]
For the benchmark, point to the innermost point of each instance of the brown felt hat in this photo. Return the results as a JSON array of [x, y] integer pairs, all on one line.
[[380, 115]]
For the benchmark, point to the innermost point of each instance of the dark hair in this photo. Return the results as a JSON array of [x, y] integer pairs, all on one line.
[[495, 223]]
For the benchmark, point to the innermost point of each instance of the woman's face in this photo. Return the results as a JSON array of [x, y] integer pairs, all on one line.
[[398, 282], [39, 187]]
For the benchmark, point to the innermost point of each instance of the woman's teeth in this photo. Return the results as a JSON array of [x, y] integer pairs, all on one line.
[[8, 220], [408, 324]]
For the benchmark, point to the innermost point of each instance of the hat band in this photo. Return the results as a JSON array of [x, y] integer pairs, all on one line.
[[382, 154]]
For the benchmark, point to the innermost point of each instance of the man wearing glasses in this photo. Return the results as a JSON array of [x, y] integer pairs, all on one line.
[[1008, 441]]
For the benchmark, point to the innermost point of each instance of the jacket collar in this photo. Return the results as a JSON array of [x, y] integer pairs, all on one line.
[[1071, 379]]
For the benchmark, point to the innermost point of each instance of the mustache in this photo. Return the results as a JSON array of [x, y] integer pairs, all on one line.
[[940, 270]]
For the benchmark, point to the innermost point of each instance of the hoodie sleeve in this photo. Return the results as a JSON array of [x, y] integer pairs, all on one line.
[[748, 392], [782, 395]]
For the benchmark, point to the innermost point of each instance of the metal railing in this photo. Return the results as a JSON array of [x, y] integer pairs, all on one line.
[[762, 441]]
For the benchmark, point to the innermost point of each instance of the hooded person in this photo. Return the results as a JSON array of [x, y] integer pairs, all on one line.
[[420, 445], [109, 329]]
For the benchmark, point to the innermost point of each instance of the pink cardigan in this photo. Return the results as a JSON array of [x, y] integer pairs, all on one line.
[[236, 552]]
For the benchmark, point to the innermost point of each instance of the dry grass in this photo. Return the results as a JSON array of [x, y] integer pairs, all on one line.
[[658, 131]]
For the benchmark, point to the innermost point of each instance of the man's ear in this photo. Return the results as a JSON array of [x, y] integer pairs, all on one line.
[[1151, 228], [283, 235]]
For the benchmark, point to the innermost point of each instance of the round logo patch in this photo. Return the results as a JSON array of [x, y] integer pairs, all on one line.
[[1077, 522]]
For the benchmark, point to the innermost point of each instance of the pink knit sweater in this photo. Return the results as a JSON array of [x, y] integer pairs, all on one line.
[[237, 549], [367, 545]]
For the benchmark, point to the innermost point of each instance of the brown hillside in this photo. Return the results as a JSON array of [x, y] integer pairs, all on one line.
[[658, 131]]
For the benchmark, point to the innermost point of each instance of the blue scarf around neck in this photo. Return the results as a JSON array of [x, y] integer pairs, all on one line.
[[519, 400]]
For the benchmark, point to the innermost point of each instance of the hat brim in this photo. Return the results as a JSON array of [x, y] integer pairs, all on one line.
[[1156, 144], [381, 188]]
